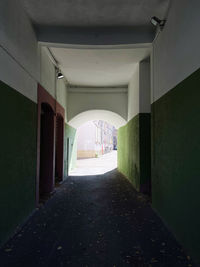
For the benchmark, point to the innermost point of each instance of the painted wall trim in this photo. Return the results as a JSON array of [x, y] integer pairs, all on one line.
[[97, 90], [45, 97]]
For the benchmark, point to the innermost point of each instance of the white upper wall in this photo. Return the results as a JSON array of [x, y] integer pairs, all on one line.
[[24, 63], [84, 99], [48, 73], [19, 54], [139, 90], [61, 88], [145, 86], [15, 76], [56, 87], [18, 37], [133, 94], [176, 51]]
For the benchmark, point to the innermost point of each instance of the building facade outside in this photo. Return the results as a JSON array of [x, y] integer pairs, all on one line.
[[95, 138]]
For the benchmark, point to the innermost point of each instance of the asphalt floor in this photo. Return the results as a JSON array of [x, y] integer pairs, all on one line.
[[94, 221]]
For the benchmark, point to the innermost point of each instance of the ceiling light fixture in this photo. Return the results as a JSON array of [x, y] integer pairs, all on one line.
[[158, 22]]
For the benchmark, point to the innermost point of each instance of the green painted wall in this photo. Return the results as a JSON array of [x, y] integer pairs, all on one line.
[[71, 149], [176, 161], [145, 152], [134, 151], [128, 151], [18, 137]]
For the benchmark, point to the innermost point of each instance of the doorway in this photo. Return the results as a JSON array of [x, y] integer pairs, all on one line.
[[59, 148], [46, 178]]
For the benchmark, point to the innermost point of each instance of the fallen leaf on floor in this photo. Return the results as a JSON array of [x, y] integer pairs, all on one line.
[[180, 257], [154, 260], [8, 249]]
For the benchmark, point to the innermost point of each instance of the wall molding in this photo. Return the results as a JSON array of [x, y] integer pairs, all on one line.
[[97, 90]]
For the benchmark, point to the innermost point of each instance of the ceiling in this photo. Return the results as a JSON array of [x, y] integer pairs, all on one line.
[[59, 23], [94, 13], [99, 67]]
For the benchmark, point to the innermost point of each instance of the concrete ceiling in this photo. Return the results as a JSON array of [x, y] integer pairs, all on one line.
[[61, 23], [95, 22], [99, 67], [92, 13]]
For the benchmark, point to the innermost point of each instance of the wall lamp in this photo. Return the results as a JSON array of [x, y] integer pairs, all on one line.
[[158, 22], [60, 75]]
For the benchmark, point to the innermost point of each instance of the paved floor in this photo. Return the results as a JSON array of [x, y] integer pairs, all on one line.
[[95, 166], [94, 221]]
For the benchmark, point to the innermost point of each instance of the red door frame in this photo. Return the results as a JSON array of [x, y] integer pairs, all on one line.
[[45, 97]]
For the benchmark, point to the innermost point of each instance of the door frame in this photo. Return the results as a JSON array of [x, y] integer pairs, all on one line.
[[45, 97]]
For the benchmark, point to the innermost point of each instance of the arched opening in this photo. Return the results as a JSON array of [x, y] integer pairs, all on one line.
[[59, 148], [97, 114], [46, 178], [95, 142]]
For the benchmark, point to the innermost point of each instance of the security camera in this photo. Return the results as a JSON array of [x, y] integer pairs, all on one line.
[[158, 22]]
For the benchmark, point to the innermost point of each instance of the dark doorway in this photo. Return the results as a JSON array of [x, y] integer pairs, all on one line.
[[46, 181], [59, 148]]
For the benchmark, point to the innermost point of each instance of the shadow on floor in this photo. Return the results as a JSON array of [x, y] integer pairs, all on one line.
[[94, 221]]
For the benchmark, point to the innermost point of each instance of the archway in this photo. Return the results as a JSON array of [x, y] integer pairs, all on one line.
[[97, 114], [95, 148]]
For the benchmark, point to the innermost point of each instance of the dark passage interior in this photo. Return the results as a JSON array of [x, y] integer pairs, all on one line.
[[46, 150], [59, 148], [105, 223]]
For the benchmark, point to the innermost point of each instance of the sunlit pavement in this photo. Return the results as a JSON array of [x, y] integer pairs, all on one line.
[[95, 166]]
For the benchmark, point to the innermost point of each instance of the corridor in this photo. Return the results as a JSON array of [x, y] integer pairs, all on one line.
[[94, 221]]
